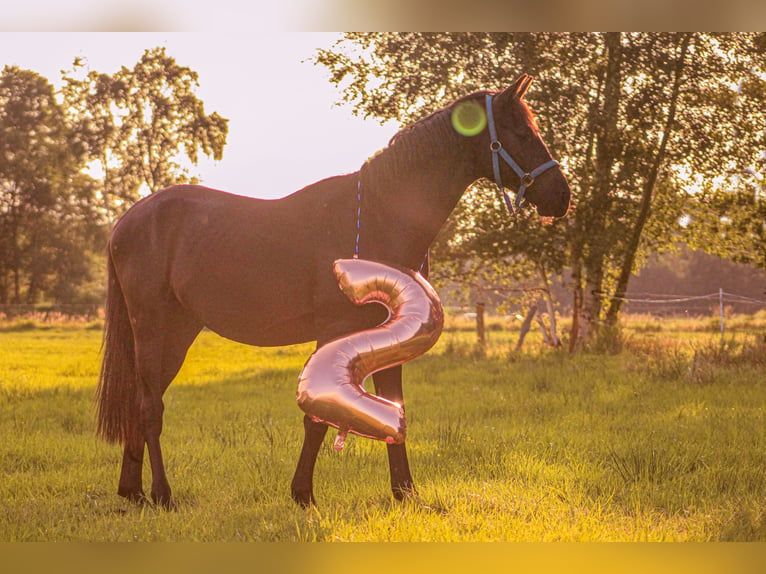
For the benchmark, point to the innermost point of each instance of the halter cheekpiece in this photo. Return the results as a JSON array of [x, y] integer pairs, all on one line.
[[526, 178]]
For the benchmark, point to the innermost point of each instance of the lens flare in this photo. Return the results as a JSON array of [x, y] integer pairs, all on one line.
[[469, 119]]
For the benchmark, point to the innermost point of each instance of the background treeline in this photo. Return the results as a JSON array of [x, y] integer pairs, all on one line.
[[686, 273], [73, 160], [669, 283], [660, 134]]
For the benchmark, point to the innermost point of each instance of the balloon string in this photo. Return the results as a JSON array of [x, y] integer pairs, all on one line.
[[358, 213]]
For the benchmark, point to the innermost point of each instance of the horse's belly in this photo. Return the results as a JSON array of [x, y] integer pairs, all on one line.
[[264, 312], [288, 330]]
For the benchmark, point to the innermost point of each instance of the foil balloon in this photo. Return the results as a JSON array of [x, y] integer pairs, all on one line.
[[330, 386]]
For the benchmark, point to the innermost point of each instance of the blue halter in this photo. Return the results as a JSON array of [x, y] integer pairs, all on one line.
[[527, 179]]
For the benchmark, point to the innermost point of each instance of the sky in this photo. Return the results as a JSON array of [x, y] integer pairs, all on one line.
[[286, 129]]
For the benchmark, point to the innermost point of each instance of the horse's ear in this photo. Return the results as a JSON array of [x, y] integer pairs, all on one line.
[[518, 88], [526, 81]]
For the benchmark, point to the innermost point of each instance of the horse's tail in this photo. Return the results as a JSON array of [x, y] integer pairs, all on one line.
[[117, 393]]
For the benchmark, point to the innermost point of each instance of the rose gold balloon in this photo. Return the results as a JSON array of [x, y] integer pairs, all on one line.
[[330, 386]]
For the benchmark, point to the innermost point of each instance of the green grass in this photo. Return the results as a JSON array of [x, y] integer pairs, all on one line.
[[665, 440]]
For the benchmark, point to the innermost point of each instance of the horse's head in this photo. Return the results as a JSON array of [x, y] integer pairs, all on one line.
[[518, 157]]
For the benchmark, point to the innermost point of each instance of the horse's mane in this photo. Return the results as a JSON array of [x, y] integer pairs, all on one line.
[[436, 116], [413, 144], [530, 114]]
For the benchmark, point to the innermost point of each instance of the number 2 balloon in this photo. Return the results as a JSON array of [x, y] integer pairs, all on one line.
[[330, 386]]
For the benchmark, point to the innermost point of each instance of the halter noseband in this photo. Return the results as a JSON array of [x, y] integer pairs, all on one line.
[[527, 179]]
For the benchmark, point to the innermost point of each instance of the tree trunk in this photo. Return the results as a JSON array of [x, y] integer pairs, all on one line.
[[648, 189], [32, 289], [3, 287], [16, 260], [544, 330], [574, 332], [594, 220], [555, 341], [16, 285], [4, 264], [590, 310], [526, 325]]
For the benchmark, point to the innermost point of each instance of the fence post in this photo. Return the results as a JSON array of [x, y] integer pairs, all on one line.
[[720, 307], [480, 323]]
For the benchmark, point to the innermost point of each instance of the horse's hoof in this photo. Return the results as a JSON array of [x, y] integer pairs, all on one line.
[[165, 501], [133, 496], [304, 499], [404, 492]]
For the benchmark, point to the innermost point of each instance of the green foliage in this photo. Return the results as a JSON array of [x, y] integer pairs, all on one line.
[[133, 129], [496, 445], [732, 224], [139, 123], [635, 120], [46, 204]]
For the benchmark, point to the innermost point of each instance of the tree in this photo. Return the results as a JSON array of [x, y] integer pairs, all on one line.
[[728, 217], [633, 118], [90, 104], [44, 199], [139, 123], [677, 114], [132, 128], [481, 248], [732, 225]]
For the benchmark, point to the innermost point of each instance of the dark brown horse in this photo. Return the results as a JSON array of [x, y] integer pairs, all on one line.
[[260, 271]]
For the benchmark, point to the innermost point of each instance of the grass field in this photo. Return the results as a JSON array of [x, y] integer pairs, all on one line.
[[664, 440]]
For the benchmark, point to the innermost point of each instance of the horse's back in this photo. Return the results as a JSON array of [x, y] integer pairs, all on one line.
[[245, 267]]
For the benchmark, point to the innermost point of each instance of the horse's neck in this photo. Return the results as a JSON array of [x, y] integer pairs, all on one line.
[[404, 206]]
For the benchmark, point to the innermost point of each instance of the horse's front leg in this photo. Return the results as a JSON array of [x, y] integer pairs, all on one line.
[[388, 384], [302, 486]]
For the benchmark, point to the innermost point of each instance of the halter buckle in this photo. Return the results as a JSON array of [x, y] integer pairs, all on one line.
[[495, 146], [527, 180]]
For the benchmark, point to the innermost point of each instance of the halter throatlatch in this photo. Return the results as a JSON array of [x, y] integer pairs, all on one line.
[[527, 179]]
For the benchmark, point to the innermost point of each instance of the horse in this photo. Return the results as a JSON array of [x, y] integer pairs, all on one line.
[[260, 271]]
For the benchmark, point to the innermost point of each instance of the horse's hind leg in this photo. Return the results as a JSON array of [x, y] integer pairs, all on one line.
[[130, 474], [388, 384], [302, 486], [161, 341]]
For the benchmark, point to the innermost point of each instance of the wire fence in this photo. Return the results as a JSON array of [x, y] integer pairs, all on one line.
[[719, 306], [722, 303], [719, 312], [51, 312]]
